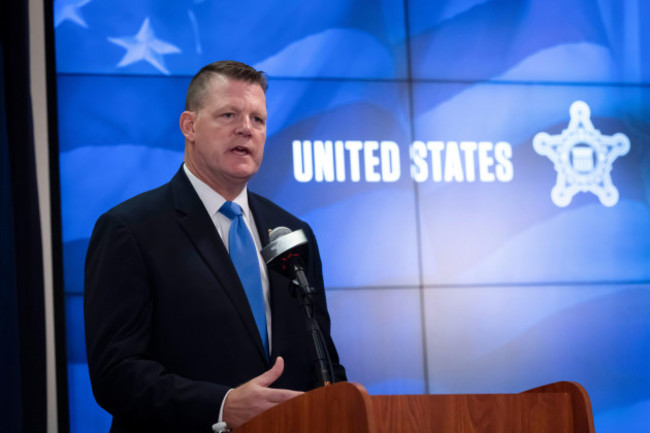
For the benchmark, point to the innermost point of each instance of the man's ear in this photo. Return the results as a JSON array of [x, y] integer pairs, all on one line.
[[186, 123]]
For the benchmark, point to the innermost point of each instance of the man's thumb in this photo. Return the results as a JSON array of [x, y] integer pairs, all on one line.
[[272, 374]]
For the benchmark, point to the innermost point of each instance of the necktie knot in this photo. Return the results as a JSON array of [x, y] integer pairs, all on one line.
[[230, 209]]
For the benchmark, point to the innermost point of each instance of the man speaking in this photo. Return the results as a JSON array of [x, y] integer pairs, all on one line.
[[185, 324]]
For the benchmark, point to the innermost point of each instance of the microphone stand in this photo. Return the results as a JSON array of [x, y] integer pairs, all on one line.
[[278, 253], [305, 293]]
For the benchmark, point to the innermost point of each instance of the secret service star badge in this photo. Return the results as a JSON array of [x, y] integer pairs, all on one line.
[[582, 157]]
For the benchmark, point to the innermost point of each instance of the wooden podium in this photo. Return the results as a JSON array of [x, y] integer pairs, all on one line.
[[561, 407]]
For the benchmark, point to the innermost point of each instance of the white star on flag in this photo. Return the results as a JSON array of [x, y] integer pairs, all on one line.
[[69, 10], [145, 46]]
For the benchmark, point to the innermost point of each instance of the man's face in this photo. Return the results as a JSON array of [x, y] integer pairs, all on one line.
[[225, 137]]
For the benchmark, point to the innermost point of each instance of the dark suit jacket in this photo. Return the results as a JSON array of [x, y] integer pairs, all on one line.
[[168, 326]]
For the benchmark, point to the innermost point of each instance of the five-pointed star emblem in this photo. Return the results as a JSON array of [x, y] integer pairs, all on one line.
[[582, 157]]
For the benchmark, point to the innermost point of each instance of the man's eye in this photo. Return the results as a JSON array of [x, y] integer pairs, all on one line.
[[228, 115]]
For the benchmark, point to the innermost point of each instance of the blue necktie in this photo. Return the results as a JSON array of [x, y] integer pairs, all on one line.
[[244, 256]]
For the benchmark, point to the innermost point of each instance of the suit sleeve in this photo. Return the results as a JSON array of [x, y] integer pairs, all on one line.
[[125, 379]]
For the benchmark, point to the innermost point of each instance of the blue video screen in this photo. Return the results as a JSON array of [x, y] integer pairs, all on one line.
[[476, 172]]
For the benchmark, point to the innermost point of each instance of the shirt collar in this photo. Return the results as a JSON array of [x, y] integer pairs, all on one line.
[[212, 200]]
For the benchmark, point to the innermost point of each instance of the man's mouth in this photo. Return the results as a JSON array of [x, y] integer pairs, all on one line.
[[240, 150]]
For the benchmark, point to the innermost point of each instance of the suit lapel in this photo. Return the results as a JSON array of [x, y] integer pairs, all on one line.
[[197, 224]]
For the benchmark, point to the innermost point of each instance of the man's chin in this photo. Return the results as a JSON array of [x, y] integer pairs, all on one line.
[[243, 175]]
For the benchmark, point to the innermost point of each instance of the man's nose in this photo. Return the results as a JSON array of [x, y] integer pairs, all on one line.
[[245, 126]]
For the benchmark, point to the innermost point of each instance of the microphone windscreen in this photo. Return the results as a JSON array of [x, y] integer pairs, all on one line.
[[278, 232], [281, 241]]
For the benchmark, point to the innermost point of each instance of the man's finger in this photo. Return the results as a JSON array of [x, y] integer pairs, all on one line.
[[271, 375]]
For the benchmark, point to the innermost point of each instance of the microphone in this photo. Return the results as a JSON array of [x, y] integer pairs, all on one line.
[[281, 241], [284, 252]]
